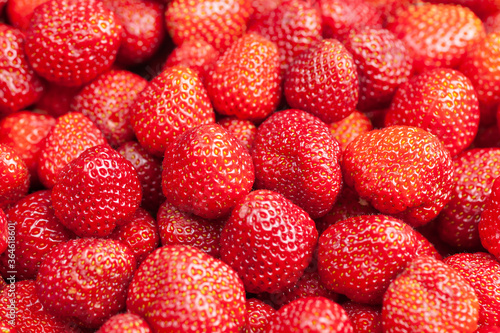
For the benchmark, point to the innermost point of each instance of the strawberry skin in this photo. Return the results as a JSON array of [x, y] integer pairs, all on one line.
[[489, 225], [20, 12], [195, 54], [364, 318], [125, 323], [4, 236], [15, 177], [350, 128], [257, 316]]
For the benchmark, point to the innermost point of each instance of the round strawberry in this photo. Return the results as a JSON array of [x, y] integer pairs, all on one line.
[[125, 323], [437, 35], [172, 103], [56, 100], [181, 289], [243, 130], [19, 84], [295, 154], [245, 81], [19, 12], [14, 175], [489, 225], [107, 100], [269, 241], [379, 249], [258, 315], [350, 128], [70, 42], [428, 297], [400, 170], [4, 238], [364, 318], [195, 54], [323, 81], [206, 172], [96, 192]]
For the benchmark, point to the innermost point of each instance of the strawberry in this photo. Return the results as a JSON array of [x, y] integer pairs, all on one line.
[[441, 101], [125, 323], [437, 35], [19, 12], [2, 281], [243, 130], [294, 26], [19, 84], [96, 192], [488, 329], [4, 238], [400, 170], [310, 315], [206, 172], [67, 58], [195, 54], [364, 318], [295, 155], [37, 232], [245, 81], [350, 128], [261, 8], [139, 233], [72, 134], [269, 241], [489, 225], [258, 315], [219, 23], [178, 228], [475, 172], [323, 81], [389, 8], [482, 8], [172, 103], [181, 289], [148, 170], [482, 272], [14, 175], [107, 100], [429, 296], [383, 64], [4, 326], [492, 23], [143, 28], [56, 100], [379, 248]]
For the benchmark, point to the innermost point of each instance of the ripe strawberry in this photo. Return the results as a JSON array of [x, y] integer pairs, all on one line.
[[260, 8], [56, 100], [178, 228], [67, 58], [143, 28], [96, 192], [489, 225], [482, 8], [294, 26], [492, 23], [437, 35], [350, 128], [482, 272], [431, 296], [219, 23], [181, 289], [389, 8], [72, 134], [243, 130], [269, 241], [488, 329], [86, 280], [383, 64], [172, 103], [4, 325], [379, 249], [400, 170], [14, 175], [4, 237], [206, 172], [323, 81], [20, 86], [195, 54], [107, 100], [37, 232], [310, 315], [125, 323], [475, 172], [364, 318], [2, 281], [19, 12], [295, 155], [258, 315], [441, 101]]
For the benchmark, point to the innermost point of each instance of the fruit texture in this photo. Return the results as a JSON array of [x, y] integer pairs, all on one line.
[[125, 323], [195, 54], [14, 175], [350, 128], [258, 316], [364, 318], [489, 225], [4, 236], [20, 12], [243, 130]]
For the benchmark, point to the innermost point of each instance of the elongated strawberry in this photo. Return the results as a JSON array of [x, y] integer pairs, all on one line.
[[489, 225], [364, 318], [195, 54], [20, 12], [243, 130], [14, 175], [350, 128], [125, 323], [258, 316]]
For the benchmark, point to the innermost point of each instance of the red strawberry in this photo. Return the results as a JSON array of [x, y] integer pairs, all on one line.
[[86, 280], [37, 232], [195, 54], [431, 296], [489, 225], [245, 81], [488, 329], [4, 238], [206, 172], [310, 315], [269, 241], [379, 249], [441, 101], [219, 22], [364, 318], [437, 35], [492, 23], [383, 64], [261, 8], [20, 86], [350, 128], [2, 281], [72, 134], [323, 81], [20, 12], [143, 28], [172, 103], [96, 192], [475, 172], [257, 316], [178, 228], [14, 175], [181, 289], [56, 100], [389, 8], [243, 130], [125, 323], [294, 154], [107, 100], [139, 233], [482, 272], [400, 170], [4, 326], [482, 8]]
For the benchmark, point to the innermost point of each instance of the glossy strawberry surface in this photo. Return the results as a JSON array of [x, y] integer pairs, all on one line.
[[257, 316], [243, 130], [125, 323], [350, 128], [364, 318], [195, 54], [489, 230], [14, 175]]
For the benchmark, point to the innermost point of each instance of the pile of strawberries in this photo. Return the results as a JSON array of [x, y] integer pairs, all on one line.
[[250, 166]]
